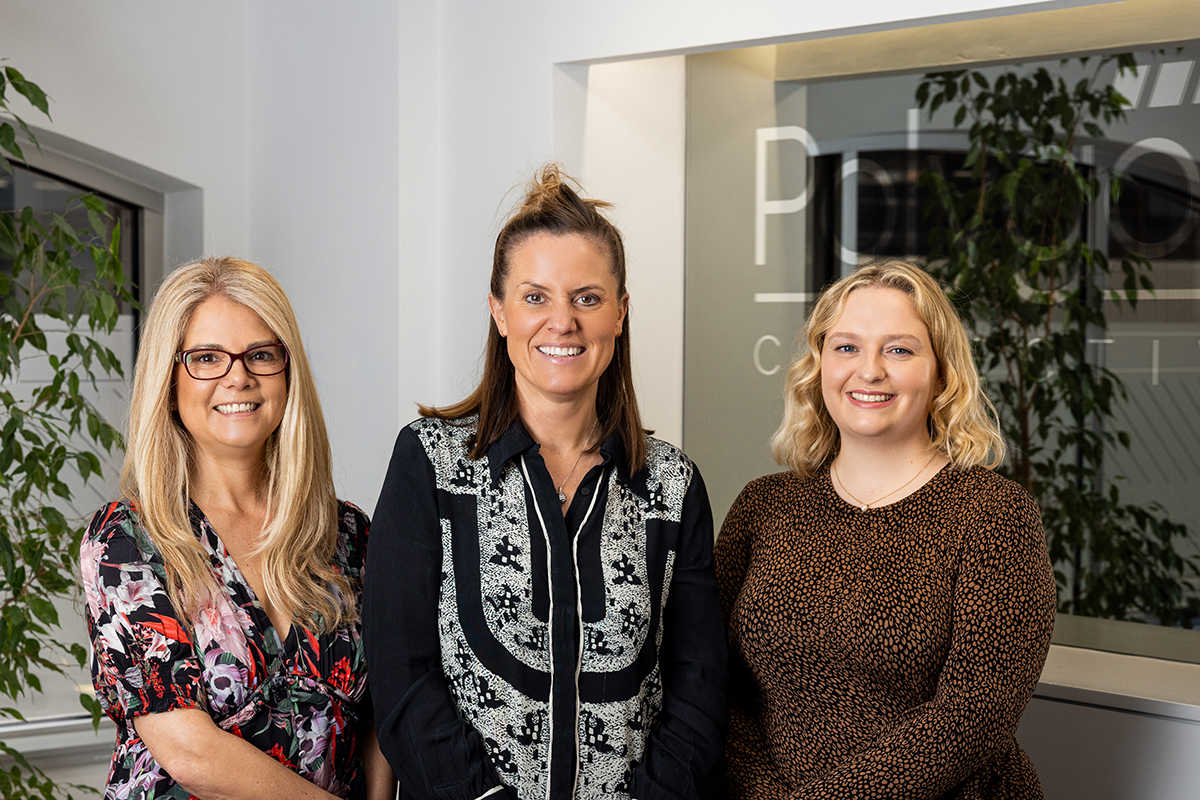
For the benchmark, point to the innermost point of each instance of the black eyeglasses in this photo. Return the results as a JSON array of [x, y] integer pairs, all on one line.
[[211, 363]]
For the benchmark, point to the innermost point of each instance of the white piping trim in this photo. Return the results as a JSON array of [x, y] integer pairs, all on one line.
[[549, 627], [490, 792], [579, 617]]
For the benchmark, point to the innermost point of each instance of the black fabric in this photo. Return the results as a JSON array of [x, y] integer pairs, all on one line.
[[428, 733]]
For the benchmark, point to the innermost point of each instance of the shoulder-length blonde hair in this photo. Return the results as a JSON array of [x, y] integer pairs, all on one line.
[[962, 420], [300, 534]]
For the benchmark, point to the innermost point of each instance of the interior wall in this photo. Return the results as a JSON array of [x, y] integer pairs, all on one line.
[[159, 84], [324, 201], [633, 157]]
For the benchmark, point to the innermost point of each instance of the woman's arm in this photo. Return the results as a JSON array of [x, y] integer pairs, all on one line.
[[1004, 602], [683, 751], [381, 783], [213, 764], [748, 767], [433, 751]]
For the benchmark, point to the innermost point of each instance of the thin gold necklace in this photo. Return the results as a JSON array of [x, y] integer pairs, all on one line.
[[863, 505], [562, 497]]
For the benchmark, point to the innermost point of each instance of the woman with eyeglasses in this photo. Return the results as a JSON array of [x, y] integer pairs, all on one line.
[[223, 586], [541, 613]]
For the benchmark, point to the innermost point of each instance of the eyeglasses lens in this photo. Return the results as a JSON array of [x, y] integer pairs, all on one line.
[[208, 364]]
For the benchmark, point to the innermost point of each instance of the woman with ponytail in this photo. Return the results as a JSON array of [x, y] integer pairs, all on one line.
[[541, 613], [222, 588]]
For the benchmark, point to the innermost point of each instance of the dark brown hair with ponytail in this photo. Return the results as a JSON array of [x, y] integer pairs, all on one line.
[[552, 206]]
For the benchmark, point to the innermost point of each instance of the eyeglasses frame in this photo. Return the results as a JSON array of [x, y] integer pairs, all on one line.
[[181, 358]]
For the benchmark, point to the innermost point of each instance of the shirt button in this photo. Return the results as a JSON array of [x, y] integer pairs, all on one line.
[[586, 491]]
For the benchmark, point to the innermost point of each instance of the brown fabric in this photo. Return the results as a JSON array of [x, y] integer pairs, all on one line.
[[885, 653]]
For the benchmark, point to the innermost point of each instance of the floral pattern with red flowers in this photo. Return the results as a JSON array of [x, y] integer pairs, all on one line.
[[299, 700]]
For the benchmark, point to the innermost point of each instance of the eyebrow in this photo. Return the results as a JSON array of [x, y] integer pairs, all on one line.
[[889, 337], [541, 288], [209, 346]]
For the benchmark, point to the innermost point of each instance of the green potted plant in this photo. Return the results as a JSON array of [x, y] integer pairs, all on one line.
[[1006, 243], [53, 312]]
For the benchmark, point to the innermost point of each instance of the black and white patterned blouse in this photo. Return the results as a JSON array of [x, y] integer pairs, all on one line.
[[518, 653]]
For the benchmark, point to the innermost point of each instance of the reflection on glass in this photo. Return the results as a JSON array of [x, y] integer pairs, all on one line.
[[808, 179]]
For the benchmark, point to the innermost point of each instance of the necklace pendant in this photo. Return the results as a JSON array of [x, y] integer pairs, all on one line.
[[562, 498], [864, 508]]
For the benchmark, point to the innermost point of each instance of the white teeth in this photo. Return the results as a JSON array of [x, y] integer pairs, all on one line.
[[236, 408], [863, 397], [559, 351]]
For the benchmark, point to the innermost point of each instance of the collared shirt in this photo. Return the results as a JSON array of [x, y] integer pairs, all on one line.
[[519, 651]]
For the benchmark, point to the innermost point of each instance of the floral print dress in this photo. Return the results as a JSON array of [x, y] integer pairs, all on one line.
[[299, 700]]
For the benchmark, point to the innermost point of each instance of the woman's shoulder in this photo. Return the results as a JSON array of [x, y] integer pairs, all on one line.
[[776, 488], [991, 492], [116, 532], [432, 434], [664, 458]]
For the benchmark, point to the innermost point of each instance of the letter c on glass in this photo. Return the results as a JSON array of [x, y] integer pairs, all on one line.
[[758, 365]]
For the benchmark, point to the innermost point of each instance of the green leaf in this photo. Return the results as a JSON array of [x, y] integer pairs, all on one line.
[[30, 90], [43, 609], [55, 521], [108, 307], [89, 703], [8, 140]]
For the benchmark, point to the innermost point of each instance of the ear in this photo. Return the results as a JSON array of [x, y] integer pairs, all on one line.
[[624, 308], [496, 307]]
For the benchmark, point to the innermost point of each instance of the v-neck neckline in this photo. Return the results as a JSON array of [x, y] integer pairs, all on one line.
[[270, 634]]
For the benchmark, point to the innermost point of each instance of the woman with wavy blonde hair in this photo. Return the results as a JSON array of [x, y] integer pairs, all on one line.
[[222, 588], [889, 599]]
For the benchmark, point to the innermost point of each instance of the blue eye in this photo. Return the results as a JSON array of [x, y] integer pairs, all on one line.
[[904, 351], [844, 348]]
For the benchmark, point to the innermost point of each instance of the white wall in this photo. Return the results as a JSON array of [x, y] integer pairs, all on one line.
[[632, 156], [324, 195], [159, 84]]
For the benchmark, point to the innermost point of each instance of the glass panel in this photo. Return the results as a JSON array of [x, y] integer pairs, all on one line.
[[792, 183], [47, 193]]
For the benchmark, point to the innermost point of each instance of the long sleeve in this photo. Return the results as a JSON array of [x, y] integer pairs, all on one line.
[[746, 743], [143, 659], [683, 751], [1004, 602], [433, 751], [733, 548]]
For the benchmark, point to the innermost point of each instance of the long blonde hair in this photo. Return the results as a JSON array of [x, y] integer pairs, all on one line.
[[300, 534], [962, 420]]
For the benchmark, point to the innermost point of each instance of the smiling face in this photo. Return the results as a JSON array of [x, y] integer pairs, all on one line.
[[233, 415], [879, 374], [561, 314]]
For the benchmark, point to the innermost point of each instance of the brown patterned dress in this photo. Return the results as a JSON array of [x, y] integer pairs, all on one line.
[[885, 653]]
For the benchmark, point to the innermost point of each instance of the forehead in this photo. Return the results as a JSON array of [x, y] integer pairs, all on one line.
[[878, 310], [219, 320], [560, 260]]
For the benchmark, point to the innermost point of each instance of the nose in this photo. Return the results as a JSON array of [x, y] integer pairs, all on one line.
[[562, 318], [238, 376], [871, 367]]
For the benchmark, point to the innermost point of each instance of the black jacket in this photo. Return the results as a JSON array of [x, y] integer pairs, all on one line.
[[516, 653]]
